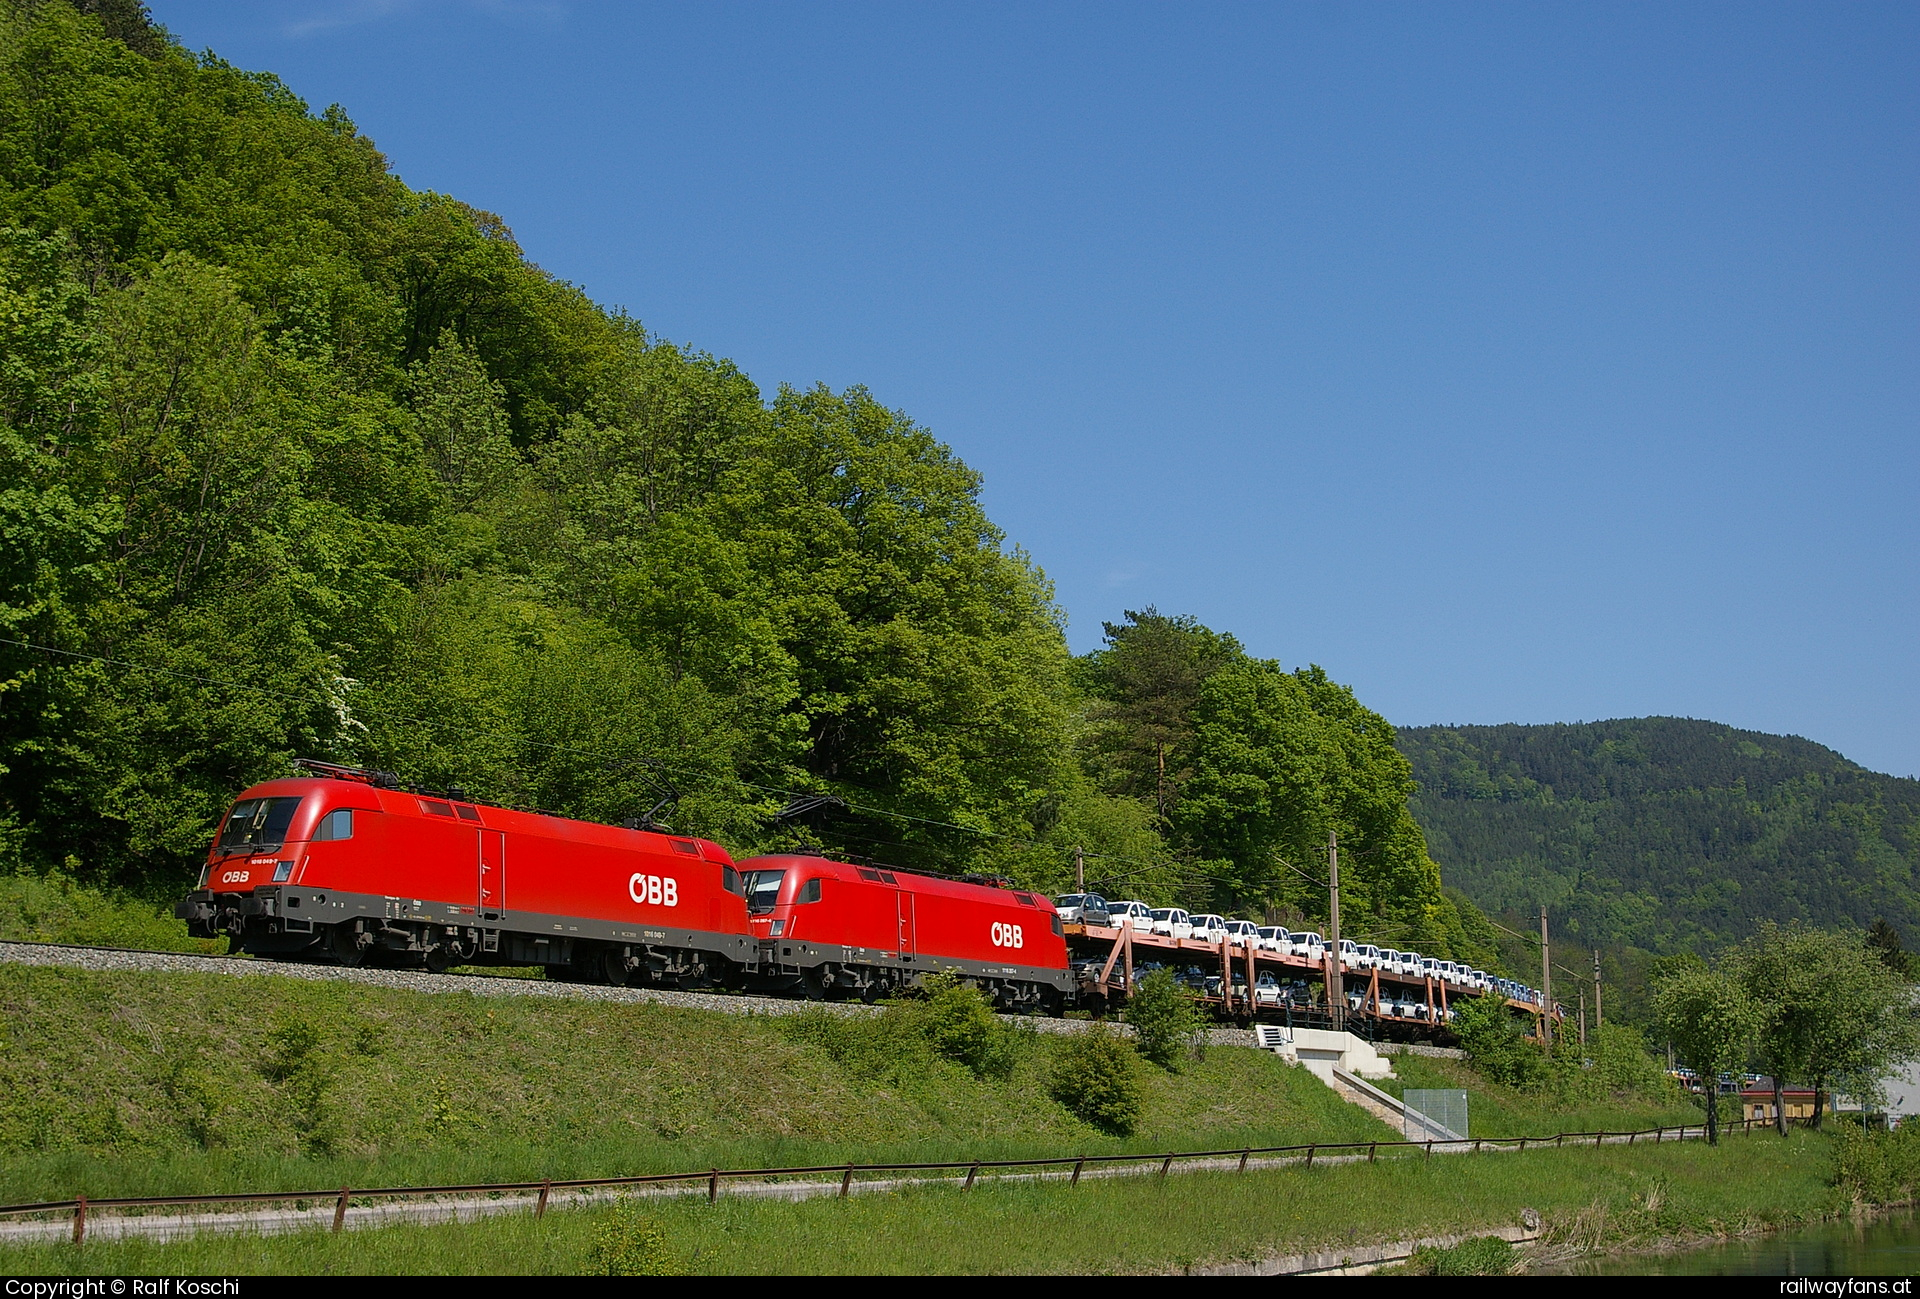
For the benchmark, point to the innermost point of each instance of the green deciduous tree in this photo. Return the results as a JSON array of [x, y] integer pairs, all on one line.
[[1710, 1020], [298, 460], [1783, 970], [1830, 1009], [463, 422]]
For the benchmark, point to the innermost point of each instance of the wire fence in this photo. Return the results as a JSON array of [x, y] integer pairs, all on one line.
[[716, 1178]]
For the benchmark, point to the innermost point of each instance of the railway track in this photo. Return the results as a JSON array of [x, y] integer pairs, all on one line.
[[71, 956]]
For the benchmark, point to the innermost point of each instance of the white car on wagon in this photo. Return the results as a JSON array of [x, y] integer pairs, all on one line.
[[1173, 922], [1243, 933], [1209, 928]]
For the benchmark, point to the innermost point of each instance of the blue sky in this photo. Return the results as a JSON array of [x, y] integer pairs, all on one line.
[[1537, 362]]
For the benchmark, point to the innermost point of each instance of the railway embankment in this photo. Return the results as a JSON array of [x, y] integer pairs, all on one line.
[[118, 1081], [142, 1073]]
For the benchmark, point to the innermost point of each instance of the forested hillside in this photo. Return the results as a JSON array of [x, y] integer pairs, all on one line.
[[1664, 833], [297, 460]]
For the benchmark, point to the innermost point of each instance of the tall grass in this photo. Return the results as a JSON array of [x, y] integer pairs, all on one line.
[[1587, 1197], [56, 908]]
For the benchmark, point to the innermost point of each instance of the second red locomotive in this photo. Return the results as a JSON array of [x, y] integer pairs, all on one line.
[[829, 927]]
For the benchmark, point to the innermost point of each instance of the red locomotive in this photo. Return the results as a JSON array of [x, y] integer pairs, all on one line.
[[832, 928], [344, 864]]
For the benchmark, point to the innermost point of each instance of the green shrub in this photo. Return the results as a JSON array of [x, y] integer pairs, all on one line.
[[1097, 1077], [1166, 1023], [952, 1022], [1480, 1256], [630, 1243], [1877, 1167], [959, 1024], [55, 908], [1622, 1065], [1493, 1038]]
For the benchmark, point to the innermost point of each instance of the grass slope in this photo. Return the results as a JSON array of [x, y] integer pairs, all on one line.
[[1589, 1198], [128, 1084], [1497, 1111]]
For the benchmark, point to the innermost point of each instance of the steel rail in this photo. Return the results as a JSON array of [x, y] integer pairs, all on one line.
[[82, 1205]]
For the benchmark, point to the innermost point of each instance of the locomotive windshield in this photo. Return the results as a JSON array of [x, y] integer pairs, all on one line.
[[762, 890], [257, 825]]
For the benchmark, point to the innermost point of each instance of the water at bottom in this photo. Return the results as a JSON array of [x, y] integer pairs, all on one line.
[[1888, 1246]]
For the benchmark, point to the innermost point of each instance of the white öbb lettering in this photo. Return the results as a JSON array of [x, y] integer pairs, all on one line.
[[1008, 936], [654, 890], [234, 877]]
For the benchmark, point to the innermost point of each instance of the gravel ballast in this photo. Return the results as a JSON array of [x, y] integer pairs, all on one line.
[[110, 959]]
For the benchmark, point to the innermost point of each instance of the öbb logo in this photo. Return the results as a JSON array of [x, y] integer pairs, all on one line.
[[1008, 936], [654, 890], [234, 877]]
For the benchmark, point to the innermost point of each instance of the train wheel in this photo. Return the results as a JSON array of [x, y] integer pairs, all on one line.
[[344, 947], [813, 983]]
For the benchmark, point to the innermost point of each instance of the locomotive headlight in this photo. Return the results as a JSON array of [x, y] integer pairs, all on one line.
[[779, 928], [282, 872]]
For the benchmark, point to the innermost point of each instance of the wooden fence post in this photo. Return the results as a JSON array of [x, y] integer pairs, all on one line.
[[340, 1210], [79, 1220], [540, 1209]]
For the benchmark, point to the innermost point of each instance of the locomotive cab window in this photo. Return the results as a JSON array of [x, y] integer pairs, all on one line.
[[257, 825], [809, 892], [334, 825], [763, 890]]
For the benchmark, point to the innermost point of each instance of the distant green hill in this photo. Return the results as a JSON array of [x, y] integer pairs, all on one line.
[[1665, 833]]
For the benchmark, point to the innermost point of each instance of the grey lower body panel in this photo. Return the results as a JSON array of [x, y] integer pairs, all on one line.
[[288, 919], [797, 956]]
